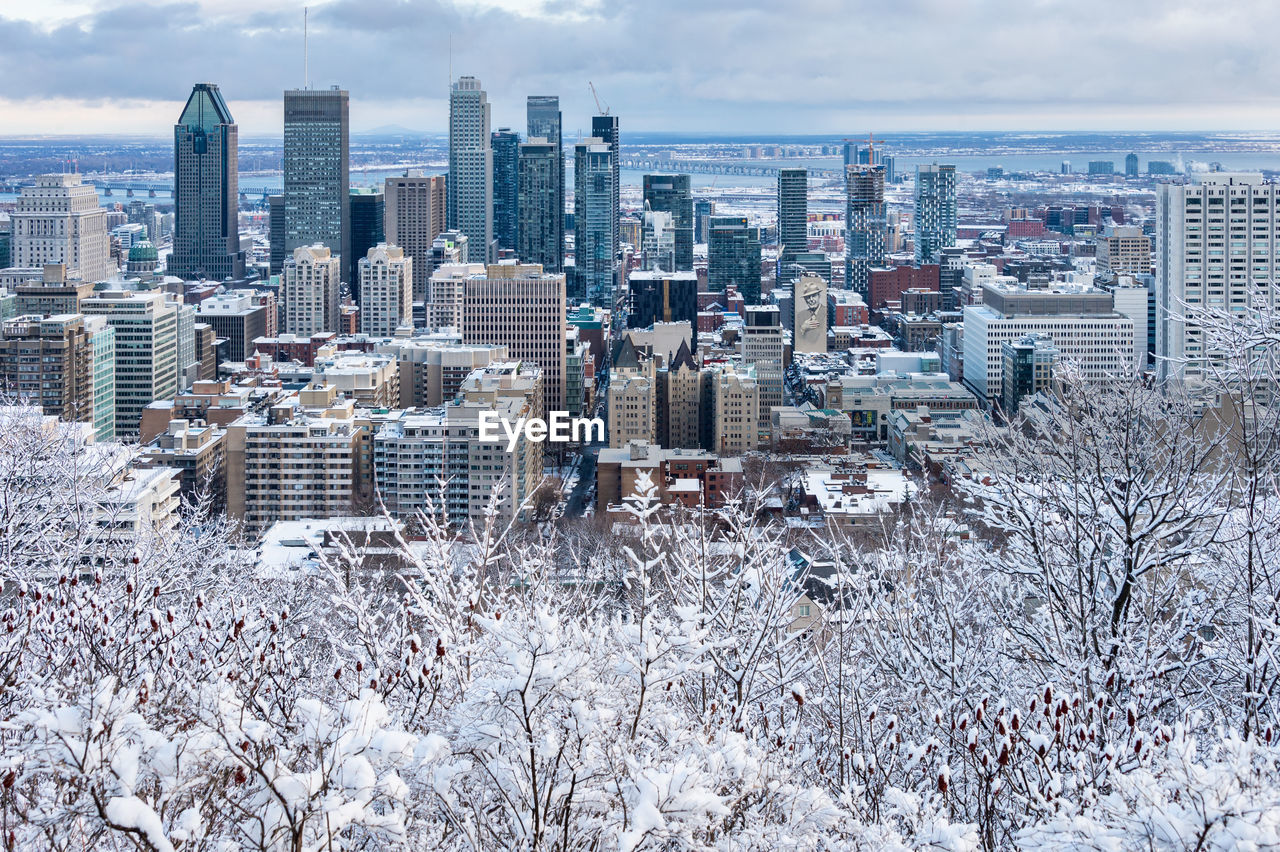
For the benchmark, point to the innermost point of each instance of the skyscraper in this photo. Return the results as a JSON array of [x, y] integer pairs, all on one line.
[[1131, 166], [702, 213], [317, 199], [275, 225], [415, 215], [595, 220], [733, 257], [605, 128], [386, 287], [540, 232], [936, 214], [672, 194], [1194, 222], [59, 220], [793, 217], [865, 224], [545, 123], [506, 186], [206, 196], [368, 218], [470, 185], [146, 333], [310, 290]]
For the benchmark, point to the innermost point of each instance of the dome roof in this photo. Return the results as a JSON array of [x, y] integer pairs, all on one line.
[[143, 250]]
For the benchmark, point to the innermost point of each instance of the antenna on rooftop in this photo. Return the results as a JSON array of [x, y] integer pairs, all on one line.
[[306, 54]]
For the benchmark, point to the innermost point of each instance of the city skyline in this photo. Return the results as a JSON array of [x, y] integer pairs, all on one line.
[[72, 68]]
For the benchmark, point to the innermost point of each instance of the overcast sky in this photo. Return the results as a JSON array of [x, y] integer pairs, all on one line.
[[767, 66]]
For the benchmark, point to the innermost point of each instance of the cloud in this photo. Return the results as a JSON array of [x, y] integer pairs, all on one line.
[[696, 65]]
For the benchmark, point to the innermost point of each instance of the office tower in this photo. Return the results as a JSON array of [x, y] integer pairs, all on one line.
[[506, 187], [1080, 319], [1102, 167], [188, 364], [59, 220], [386, 288], [936, 214], [595, 220], [733, 257], [206, 196], [544, 207], [522, 307], [317, 199], [48, 361], [102, 337], [1131, 166], [1217, 240], [672, 194], [146, 338], [236, 318], [368, 215], [1028, 369], [206, 352], [1124, 250], [764, 347], [793, 215], [415, 216], [275, 226], [310, 290], [540, 201], [605, 128], [470, 186], [663, 297], [1066, 167], [865, 223]]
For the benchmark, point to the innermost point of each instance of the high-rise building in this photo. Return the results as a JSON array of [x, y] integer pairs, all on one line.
[[470, 185], [545, 210], [415, 216], [764, 347], [702, 213], [793, 215], [235, 318], [59, 220], [51, 292], [595, 220], [735, 410], [102, 337], [663, 297], [146, 336], [206, 196], [1124, 250], [310, 290], [506, 187], [386, 289], [368, 215], [1131, 166], [317, 182], [48, 361], [540, 202], [275, 226], [936, 212], [605, 128], [672, 194], [524, 308], [733, 257], [866, 224], [1217, 240]]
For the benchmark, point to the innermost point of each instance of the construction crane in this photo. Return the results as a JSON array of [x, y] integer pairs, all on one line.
[[601, 109]]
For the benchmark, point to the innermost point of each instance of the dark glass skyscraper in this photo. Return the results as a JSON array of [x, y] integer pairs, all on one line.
[[672, 194], [540, 232], [865, 224], [275, 225], [506, 186], [206, 197], [733, 257], [605, 128], [368, 210], [793, 215], [544, 122], [317, 199], [595, 221]]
